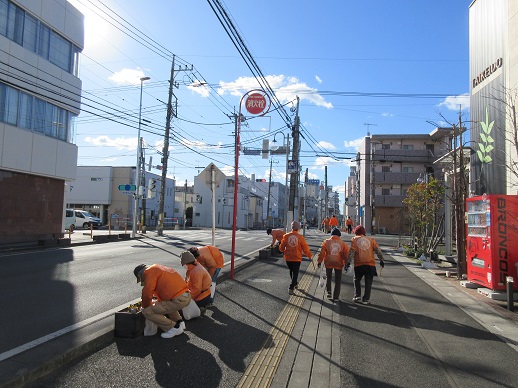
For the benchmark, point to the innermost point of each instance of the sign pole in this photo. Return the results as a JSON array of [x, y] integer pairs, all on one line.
[[256, 104]]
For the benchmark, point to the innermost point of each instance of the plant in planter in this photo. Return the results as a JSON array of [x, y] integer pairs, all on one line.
[[130, 322]]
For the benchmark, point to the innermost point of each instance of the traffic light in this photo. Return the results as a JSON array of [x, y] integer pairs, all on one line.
[[151, 188], [224, 200], [198, 198]]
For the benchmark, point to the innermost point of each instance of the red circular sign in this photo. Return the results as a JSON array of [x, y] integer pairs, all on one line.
[[255, 103]]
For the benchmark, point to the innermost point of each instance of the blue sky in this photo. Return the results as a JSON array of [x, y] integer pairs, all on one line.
[[357, 66]]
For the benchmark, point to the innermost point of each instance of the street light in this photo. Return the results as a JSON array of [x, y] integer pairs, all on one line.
[[137, 170], [275, 147]]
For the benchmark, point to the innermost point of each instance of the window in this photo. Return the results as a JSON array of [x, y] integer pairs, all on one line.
[[30, 33], [44, 42], [408, 169], [60, 53], [385, 191], [4, 9], [11, 106], [24, 29], [408, 146], [28, 112], [15, 19], [385, 146], [385, 168], [25, 111]]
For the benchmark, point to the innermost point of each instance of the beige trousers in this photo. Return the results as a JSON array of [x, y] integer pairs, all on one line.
[[157, 313]]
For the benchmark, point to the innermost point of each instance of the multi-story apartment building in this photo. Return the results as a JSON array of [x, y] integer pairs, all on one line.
[[385, 167], [40, 97]]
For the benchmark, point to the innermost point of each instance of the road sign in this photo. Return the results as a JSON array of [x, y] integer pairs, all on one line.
[[127, 187], [256, 104], [293, 166]]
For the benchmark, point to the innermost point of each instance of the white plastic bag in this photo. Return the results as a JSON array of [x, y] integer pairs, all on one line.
[[150, 328], [191, 311], [323, 275], [212, 289]]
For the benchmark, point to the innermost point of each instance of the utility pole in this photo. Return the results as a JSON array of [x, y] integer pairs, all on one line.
[[294, 179], [305, 201], [143, 184], [460, 196], [268, 202], [185, 206], [165, 150], [358, 188], [326, 199]]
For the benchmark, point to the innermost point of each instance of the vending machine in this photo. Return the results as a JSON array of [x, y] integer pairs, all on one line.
[[492, 240]]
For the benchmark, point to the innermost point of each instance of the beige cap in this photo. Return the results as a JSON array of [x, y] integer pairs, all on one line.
[[187, 258]]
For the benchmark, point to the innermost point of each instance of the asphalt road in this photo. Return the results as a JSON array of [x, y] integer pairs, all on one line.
[[53, 289]]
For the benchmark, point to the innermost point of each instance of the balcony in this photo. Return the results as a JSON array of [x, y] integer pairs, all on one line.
[[389, 200], [404, 156], [403, 178]]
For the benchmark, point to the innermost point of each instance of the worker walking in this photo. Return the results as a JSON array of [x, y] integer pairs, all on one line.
[[349, 223], [293, 245], [333, 252], [362, 251]]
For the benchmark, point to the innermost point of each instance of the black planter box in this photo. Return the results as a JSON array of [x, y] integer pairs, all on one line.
[[129, 325], [265, 254]]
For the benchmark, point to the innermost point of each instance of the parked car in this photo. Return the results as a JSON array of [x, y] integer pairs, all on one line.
[[81, 218]]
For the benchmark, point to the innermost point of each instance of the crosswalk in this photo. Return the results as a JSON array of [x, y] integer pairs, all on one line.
[[206, 235]]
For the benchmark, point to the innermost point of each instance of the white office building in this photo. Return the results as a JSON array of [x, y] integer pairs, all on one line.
[[40, 97]]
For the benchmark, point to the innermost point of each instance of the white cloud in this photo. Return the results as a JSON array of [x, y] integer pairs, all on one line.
[[121, 143], [387, 114], [286, 89], [356, 144], [128, 76], [326, 145], [319, 80], [340, 189], [228, 170], [454, 102], [323, 161], [200, 88]]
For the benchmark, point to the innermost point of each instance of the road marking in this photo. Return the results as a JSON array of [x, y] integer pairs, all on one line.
[[59, 333], [262, 369], [76, 326]]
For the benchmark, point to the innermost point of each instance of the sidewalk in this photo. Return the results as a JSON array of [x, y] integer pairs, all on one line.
[[258, 336]]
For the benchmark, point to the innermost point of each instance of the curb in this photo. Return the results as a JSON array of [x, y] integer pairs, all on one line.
[[98, 339]]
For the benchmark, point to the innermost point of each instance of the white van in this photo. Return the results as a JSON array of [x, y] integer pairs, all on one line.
[[70, 218], [81, 218]]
